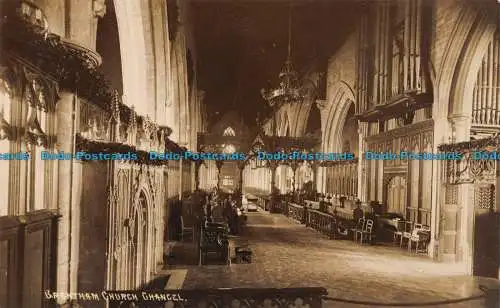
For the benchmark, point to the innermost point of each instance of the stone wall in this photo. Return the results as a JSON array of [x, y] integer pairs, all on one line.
[[342, 65], [443, 18]]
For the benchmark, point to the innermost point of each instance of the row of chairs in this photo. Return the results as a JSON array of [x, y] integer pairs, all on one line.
[[416, 235], [413, 233], [363, 230]]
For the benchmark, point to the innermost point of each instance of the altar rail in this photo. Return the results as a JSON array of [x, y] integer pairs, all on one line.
[[325, 223], [322, 222], [296, 212], [248, 298]]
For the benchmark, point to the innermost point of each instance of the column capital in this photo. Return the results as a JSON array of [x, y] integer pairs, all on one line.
[[457, 119], [460, 125], [219, 163], [321, 103], [272, 164], [99, 8]]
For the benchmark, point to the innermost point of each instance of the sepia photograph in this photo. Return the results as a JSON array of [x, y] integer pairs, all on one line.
[[249, 153]]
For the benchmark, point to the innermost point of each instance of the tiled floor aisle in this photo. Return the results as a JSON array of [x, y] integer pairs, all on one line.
[[286, 254]]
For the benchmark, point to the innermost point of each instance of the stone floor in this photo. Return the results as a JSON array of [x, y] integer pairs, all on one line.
[[286, 254]]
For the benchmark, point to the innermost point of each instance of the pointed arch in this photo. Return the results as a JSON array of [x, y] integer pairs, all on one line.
[[284, 127], [143, 211], [455, 79], [299, 115], [465, 76], [338, 109]]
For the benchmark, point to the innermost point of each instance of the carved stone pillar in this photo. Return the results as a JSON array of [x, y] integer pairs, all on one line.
[[294, 166], [241, 167], [314, 168], [273, 165], [194, 183], [181, 178], [465, 247], [460, 128], [66, 108], [361, 185], [197, 174], [320, 179], [219, 164]]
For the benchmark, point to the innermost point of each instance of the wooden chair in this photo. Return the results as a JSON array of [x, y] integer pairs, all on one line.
[[398, 234], [186, 230], [367, 232], [359, 228], [414, 231], [406, 232], [420, 236]]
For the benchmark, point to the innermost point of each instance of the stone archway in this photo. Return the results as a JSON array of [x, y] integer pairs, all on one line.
[[337, 111], [143, 218], [475, 29], [333, 117], [300, 115]]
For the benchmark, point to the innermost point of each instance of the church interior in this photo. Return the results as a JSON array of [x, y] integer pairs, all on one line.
[[340, 89]]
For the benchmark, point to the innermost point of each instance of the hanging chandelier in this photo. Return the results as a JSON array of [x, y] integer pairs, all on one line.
[[290, 89]]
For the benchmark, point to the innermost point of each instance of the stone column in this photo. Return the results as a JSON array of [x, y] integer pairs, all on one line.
[[314, 168], [241, 167], [294, 179], [197, 174], [76, 198], [361, 188], [66, 277], [461, 132], [320, 179], [497, 193], [195, 182], [466, 248], [181, 178], [283, 178], [460, 128], [219, 164]]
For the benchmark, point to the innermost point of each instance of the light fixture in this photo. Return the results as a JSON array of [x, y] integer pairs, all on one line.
[[290, 89]]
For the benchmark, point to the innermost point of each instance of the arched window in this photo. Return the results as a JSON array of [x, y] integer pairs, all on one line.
[[229, 132]]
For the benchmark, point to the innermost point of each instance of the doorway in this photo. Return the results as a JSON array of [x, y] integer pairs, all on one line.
[[486, 236]]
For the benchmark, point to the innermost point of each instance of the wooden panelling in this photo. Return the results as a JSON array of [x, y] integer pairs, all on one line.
[[28, 263]]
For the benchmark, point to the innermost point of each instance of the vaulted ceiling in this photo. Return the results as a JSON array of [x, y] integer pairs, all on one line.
[[242, 45]]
